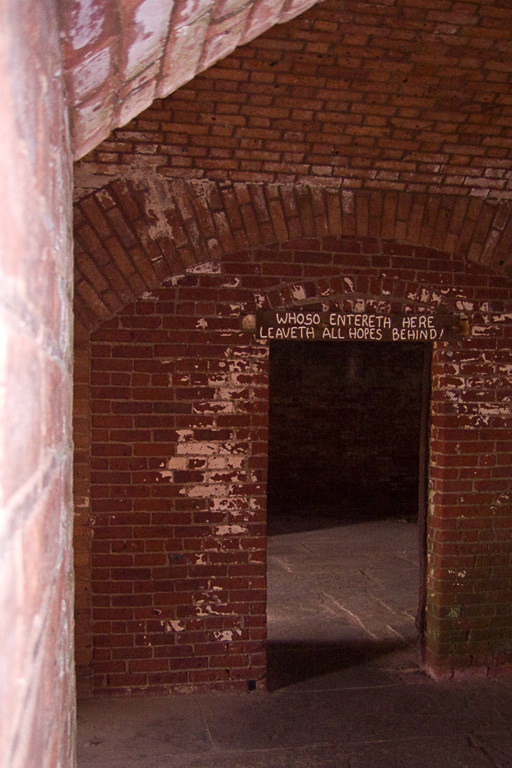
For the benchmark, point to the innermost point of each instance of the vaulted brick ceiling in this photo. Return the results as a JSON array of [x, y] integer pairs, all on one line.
[[384, 119], [119, 55]]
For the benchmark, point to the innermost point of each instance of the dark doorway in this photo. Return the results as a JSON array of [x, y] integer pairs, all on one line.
[[344, 480]]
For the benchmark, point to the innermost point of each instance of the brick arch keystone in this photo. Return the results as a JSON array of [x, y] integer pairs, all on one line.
[[135, 233]]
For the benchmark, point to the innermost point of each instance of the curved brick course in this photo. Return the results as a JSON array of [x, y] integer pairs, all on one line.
[[132, 235]]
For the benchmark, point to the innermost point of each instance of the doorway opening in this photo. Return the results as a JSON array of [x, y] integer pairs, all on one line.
[[347, 464]]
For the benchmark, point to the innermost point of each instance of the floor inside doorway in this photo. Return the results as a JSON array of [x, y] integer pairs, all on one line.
[[342, 599], [346, 689]]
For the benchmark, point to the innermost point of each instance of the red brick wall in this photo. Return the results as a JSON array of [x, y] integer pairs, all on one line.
[[179, 431], [36, 628], [468, 575], [179, 397]]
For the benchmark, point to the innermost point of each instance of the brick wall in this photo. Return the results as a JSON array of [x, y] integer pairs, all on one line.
[[36, 628], [178, 464], [179, 398]]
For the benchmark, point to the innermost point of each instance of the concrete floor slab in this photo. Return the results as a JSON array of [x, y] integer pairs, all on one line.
[[346, 688]]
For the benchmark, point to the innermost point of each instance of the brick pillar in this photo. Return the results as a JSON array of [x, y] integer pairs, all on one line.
[[470, 517], [36, 677]]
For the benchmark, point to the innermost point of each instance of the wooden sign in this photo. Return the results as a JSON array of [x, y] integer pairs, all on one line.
[[305, 325]]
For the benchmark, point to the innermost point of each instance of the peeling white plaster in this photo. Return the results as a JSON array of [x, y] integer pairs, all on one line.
[[203, 609], [205, 491], [177, 462], [91, 73], [494, 410], [227, 635], [152, 18], [196, 448], [184, 434], [87, 23], [223, 462], [209, 268], [227, 530], [202, 323], [232, 282], [173, 626], [148, 295], [298, 292]]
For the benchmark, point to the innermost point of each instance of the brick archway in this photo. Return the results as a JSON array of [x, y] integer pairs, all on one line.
[[179, 440], [133, 234]]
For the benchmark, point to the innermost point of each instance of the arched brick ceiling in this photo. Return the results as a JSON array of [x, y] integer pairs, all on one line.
[[131, 237], [384, 119], [119, 55]]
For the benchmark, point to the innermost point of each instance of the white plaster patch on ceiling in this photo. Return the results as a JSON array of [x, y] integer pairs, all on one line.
[[152, 22], [88, 21], [91, 73]]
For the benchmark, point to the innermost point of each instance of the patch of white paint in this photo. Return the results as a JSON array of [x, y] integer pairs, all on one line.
[[202, 323], [209, 268], [196, 449], [232, 282], [184, 434], [229, 530], [173, 625], [205, 491], [151, 20], [91, 73], [88, 17], [227, 635], [204, 609], [298, 292], [177, 462]]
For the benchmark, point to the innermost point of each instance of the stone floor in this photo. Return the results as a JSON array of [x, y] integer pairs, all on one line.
[[345, 687]]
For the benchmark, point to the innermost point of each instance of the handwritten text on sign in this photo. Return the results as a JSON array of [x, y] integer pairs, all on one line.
[[357, 326]]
